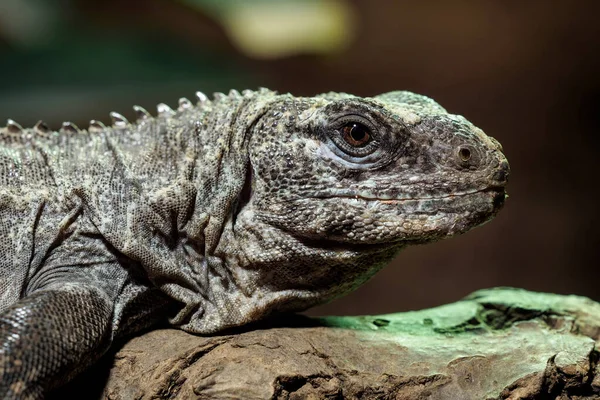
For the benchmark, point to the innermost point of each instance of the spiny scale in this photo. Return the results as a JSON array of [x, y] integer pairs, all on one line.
[[118, 120], [201, 97], [13, 127], [184, 104], [164, 110], [96, 126], [69, 127], [41, 127], [141, 113]]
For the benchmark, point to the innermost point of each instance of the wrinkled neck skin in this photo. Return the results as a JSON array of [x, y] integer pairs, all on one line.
[[202, 263], [164, 192], [274, 270]]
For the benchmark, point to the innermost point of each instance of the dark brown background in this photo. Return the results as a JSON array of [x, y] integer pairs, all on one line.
[[527, 72]]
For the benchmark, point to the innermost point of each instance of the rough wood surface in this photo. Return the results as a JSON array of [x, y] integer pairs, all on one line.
[[497, 343]]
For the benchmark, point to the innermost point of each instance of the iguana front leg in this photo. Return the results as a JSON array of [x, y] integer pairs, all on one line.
[[50, 336]]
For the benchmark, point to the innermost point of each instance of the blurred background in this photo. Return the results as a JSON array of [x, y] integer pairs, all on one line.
[[526, 72]]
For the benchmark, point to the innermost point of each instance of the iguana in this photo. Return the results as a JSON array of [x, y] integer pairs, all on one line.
[[218, 214]]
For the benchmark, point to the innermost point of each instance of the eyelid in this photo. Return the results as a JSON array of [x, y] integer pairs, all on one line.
[[347, 160], [341, 121]]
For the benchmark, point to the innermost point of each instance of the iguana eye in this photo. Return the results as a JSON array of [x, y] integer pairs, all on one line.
[[355, 134], [353, 138]]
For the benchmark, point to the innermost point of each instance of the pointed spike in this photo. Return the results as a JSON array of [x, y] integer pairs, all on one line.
[[41, 127], [218, 96], [69, 127], [96, 126], [141, 113], [13, 127], [234, 94], [164, 110], [118, 119], [201, 97], [184, 104]]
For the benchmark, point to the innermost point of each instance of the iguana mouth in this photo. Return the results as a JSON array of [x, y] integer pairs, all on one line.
[[386, 200]]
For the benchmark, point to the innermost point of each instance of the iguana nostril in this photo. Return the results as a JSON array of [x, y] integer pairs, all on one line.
[[464, 154], [501, 175]]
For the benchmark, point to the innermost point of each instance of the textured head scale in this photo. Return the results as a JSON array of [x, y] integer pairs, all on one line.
[[395, 168], [337, 184]]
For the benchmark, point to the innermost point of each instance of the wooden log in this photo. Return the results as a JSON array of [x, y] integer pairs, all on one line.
[[495, 344]]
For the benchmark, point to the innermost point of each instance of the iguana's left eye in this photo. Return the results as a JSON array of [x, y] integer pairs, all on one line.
[[356, 134]]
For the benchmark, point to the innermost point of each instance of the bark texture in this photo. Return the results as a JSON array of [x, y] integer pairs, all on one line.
[[495, 344]]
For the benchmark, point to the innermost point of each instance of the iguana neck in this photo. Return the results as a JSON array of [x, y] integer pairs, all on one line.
[[188, 173]]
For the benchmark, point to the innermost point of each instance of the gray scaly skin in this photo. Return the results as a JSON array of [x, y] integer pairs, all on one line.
[[219, 214]]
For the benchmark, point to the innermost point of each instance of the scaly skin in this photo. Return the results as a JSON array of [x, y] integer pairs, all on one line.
[[219, 214]]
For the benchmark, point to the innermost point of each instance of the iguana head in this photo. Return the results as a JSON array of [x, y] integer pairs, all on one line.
[[337, 184], [393, 169]]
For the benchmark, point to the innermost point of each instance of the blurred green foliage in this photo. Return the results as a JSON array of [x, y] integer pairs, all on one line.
[[84, 54]]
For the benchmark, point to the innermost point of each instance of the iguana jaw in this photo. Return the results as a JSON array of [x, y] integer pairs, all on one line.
[[379, 221]]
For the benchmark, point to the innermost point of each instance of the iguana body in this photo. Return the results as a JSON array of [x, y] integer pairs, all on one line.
[[218, 214]]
